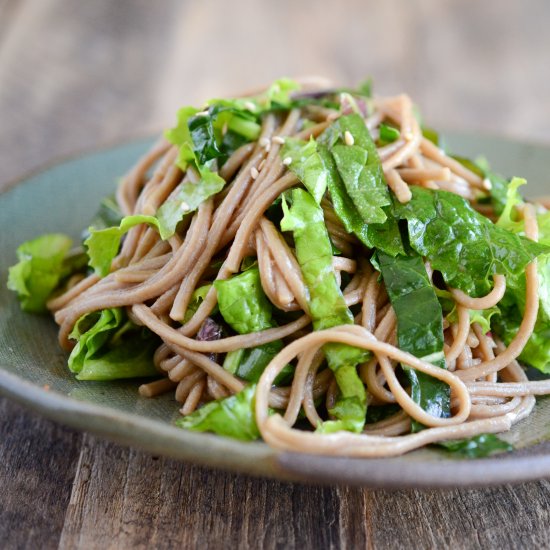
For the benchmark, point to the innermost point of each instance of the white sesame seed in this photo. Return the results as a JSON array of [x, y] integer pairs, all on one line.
[[348, 138], [249, 105], [202, 113], [262, 164], [487, 184], [287, 161], [184, 206], [408, 136], [265, 142], [254, 173], [278, 139]]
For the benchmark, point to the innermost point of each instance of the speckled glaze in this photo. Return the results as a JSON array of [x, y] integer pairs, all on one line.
[[33, 367]]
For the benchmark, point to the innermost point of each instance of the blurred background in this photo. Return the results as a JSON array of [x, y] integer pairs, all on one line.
[[75, 75]]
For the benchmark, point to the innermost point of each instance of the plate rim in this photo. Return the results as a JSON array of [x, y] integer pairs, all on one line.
[[265, 461]]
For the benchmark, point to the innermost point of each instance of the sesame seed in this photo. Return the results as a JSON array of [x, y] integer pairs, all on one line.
[[262, 164], [184, 206], [287, 161], [408, 136], [278, 139], [254, 173], [202, 113], [487, 184], [249, 105], [348, 138]]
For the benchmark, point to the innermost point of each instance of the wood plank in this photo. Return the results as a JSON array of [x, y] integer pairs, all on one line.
[[142, 501], [501, 517], [37, 465]]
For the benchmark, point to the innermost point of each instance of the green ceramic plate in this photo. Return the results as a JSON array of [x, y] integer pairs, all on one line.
[[33, 371]]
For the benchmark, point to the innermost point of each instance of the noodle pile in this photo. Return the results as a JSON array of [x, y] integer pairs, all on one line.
[[154, 280]]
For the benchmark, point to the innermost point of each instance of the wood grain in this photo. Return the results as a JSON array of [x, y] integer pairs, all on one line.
[[38, 461], [78, 74]]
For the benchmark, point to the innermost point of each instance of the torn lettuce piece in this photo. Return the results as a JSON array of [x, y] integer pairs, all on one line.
[[482, 317], [419, 327], [232, 416], [353, 175], [40, 268], [108, 215], [189, 197], [307, 165], [499, 184], [478, 446], [103, 244], [245, 307], [467, 248], [537, 350], [508, 218], [243, 303], [217, 132], [110, 347], [388, 134], [196, 300], [327, 305], [358, 165]]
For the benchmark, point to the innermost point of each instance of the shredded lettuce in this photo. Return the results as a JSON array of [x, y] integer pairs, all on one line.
[[245, 307], [39, 270], [478, 446], [189, 197], [359, 192], [327, 306], [467, 248], [243, 303], [537, 350], [307, 165], [419, 327], [388, 134], [359, 167], [110, 347], [103, 244], [232, 416]]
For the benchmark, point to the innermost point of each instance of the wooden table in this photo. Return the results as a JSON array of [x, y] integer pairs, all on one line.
[[77, 74]]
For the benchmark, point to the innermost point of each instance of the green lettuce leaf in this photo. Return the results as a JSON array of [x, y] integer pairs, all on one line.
[[243, 303], [537, 350], [467, 248], [307, 165], [358, 166], [40, 268], [189, 197], [327, 305], [419, 327], [110, 347], [388, 134], [103, 244], [196, 300], [245, 307], [232, 416], [355, 180], [482, 317], [108, 214], [478, 446], [499, 184], [249, 364]]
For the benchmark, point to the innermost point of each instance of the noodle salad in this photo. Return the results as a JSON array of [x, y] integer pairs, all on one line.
[[311, 266]]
